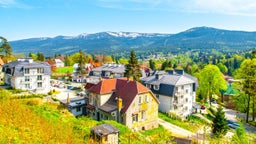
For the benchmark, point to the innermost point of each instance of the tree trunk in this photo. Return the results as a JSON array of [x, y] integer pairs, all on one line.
[[253, 109], [248, 109]]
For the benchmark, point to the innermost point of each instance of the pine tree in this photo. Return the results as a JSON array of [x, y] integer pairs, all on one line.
[[219, 126], [6, 48], [133, 68]]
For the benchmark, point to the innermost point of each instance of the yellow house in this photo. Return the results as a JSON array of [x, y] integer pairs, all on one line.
[[127, 102]]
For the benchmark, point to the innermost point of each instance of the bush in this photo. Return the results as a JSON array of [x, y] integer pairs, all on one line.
[[34, 102]]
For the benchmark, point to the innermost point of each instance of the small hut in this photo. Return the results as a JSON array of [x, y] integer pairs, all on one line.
[[105, 134]]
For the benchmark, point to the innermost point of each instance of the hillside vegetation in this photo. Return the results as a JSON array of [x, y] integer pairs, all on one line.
[[31, 121]]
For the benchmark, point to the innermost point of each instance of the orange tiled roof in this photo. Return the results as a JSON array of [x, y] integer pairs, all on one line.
[[125, 89], [103, 87], [1, 62]]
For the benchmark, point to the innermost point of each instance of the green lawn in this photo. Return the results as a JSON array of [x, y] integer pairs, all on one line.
[[192, 123], [64, 70]]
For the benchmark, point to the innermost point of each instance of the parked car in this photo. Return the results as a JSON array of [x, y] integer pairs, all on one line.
[[203, 107]]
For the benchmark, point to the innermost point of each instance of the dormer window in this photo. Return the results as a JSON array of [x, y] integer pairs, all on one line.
[[156, 87], [148, 85]]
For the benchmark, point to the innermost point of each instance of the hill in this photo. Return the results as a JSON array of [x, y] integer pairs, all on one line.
[[121, 43]]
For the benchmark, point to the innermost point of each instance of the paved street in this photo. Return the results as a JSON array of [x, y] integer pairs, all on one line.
[[232, 114]]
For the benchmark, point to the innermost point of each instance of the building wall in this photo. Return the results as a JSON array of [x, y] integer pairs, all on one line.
[[18, 82], [165, 103], [112, 139], [149, 108], [102, 99]]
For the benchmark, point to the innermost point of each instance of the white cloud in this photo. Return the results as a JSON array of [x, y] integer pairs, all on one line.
[[228, 7], [13, 3], [7, 3]]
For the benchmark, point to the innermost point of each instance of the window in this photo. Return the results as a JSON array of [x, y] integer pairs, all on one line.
[[140, 100], [156, 87], [157, 96], [143, 115], [39, 70], [27, 85], [26, 71], [39, 84], [182, 87], [186, 99], [39, 77], [148, 85], [146, 98], [134, 117], [78, 109], [186, 90], [26, 78]]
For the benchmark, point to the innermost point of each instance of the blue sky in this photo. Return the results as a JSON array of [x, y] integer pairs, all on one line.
[[22, 19]]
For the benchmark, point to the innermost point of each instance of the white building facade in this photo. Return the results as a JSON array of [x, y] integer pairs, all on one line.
[[28, 75], [176, 91]]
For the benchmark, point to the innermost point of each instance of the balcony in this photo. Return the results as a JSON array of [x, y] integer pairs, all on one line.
[[179, 94]]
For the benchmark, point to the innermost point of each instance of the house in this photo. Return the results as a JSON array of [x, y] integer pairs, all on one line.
[[105, 134], [27, 74], [108, 71], [58, 63], [1, 73], [77, 76], [176, 91], [75, 105], [124, 101]]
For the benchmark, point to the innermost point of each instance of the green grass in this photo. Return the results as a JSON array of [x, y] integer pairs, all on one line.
[[64, 70], [192, 123]]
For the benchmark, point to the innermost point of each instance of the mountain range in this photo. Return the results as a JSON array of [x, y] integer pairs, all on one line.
[[122, 42]]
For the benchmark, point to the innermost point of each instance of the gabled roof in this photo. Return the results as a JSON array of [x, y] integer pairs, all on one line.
[[114, 68], [168, 81], [104, 129], [20, 64], [127, 91], [104, 87]]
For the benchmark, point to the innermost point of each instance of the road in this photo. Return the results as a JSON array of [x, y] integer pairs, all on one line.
[[232, 115]]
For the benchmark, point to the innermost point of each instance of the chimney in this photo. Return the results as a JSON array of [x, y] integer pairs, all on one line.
[[119, 107], [68, 99]]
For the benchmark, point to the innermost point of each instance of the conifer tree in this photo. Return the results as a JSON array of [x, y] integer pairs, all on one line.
[[133, 68], [6, 48], [219, 125]]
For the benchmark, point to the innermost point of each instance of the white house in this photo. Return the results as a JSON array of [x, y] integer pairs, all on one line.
[[26, 74], [176, 91], [75, 105], [58, 63]]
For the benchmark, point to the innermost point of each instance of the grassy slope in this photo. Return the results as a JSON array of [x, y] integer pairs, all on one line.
[[64, 70]]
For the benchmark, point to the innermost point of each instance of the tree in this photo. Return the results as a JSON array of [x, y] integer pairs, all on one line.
[[133, 68], [40, 56], [152, 64], [81, 63], [6, 48], [222, 68], [107, 59], [211, 81], [67, 61], [247, 72], [240, 136], [219, 125]]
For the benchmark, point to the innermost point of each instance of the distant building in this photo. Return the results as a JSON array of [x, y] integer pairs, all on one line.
[[77, 76], [75, 105], [176, 91], [105, 134], [1, 73], [28, 75], [127, 102], [108, 71], [58, 63]]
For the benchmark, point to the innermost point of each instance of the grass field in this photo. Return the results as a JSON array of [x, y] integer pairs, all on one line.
[[64, 70]]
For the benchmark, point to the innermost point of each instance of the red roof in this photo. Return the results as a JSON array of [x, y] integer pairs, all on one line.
[[104, 87], [125, 89]]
